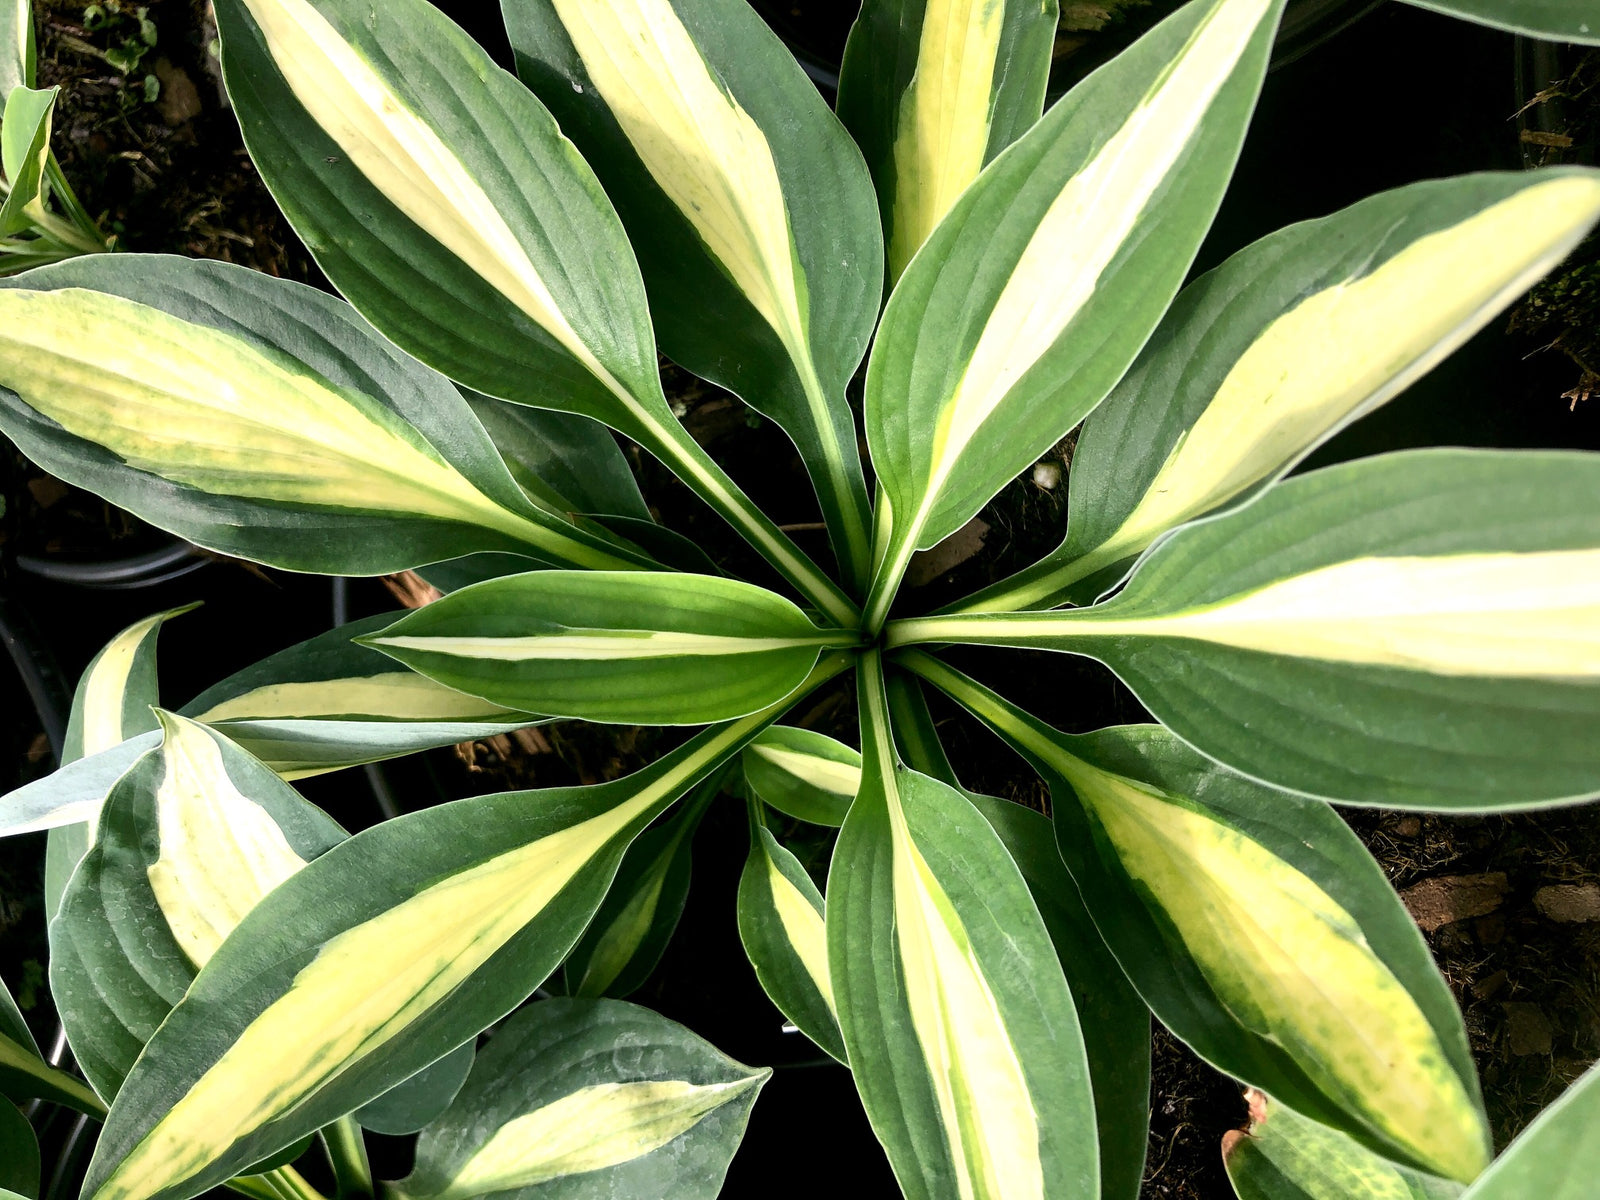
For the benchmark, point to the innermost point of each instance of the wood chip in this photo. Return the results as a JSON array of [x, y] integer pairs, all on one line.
[[1571, 902], [1435, 903]]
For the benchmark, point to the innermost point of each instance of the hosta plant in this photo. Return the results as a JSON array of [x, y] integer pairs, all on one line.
[[1414, 630]]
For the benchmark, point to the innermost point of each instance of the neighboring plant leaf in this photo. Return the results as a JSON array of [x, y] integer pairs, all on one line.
[[1284, 1156], [19, 1153], [589, 1100], [113, 702], [1115, 1021], [1295, 336], [17, 51], [1555, 1158], [24, 150], [330, 702], [958, 1022], [1259, 930], [461, 910], [370, 462], [191, 839], [934, 89], [630, 648], [631, 930], [782, 928], [1553, 20], [564, 462], [803, 774], [438, 195], [1415, 630], [1045, 279], [416, 1103], [746, 202], [24, 1074]]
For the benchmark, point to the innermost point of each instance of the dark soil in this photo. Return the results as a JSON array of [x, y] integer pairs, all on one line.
[[1400, 95]]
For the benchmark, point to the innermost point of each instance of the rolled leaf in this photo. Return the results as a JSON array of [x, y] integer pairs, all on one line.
[[19, 1153], [418, 1102], [782, 928], [958, 1022], [439, 196], [17, 53], [1552, 20], [1417, 630], [1556, 1157], [272, 422], [24, 151], [192, 838], [1260, 931], [589, 1098], [113, 702], [803, 774], [630, 933], [460, 910], [934, 89], [1283, 1156], [1291, 339], [1040, 286], [626, 647], [330, 702]]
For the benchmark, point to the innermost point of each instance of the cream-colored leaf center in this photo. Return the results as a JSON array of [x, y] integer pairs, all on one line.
[[835, 778], [386, 696], [608, 646], [804, 927]]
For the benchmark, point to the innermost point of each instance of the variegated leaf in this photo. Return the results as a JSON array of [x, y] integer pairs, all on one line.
[[460, 910], [24, 1074], [1047, 276], [24, 151], [17, 52], [1419, 629], [440, 198], [272, 422], [589, 1098], [113, 703], [631, 930], [1264, 358], [1283, 1156], [934, 89], [1552, 20], [781, 923], [1260, 931], [803, 774], [630, 648], [745, 201], [192, 838], [958, 1022], [1555, 1158]]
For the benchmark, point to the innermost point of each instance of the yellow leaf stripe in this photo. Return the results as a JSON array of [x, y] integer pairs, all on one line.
[[603, 646], [836, 778], [599, 1126], [803, 925], [386, 696], [943, 124], [221, 852], [106, 687]]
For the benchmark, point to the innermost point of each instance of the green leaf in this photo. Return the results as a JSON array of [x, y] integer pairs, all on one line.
[[113, 702], [1284, 1156], [330, 702], [1034, 294], [418, 1102], [1556, 1157], [71, 794], [19, 1153], [934, 89], [582, 1099], [1553, 20], [1264, 358], [1115, 1021], [745, 200], [24, 1074], [803, 774], [630, 933], [1259, 930], [24, 150], [369, 462], [782, 928], [460, 910], [190, 840], [1416, 630], [17, 51], [628, 647], [958, 1022], [440, 197]]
